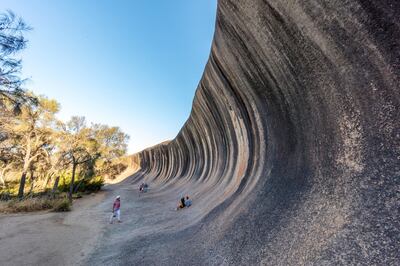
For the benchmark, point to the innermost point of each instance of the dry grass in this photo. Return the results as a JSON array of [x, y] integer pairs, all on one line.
[[35, 204]]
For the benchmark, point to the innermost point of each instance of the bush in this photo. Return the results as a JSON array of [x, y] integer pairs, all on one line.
[[86, 185], [30, 205], [5, 195], [62, 205], [94, 184]]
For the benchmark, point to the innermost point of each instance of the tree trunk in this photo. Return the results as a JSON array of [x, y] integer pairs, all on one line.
[[3, 183], [55, 186], [48, 176], [22, 185], [71, 186], [32, 184], [27, 161], [79, 184]]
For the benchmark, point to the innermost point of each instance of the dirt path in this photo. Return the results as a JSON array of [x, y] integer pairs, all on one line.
[[47, 238]]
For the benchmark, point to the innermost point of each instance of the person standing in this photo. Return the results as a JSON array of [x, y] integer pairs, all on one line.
[[116, 210]]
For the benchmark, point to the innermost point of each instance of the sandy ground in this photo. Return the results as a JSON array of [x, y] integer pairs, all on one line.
[[48, 238]]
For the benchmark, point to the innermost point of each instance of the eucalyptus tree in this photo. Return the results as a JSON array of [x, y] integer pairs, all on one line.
[[112, 145], [12, 41], [53, 164], [29, 134], [77, 146]]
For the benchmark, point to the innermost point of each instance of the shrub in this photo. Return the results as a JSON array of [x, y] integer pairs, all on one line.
[[30, 205], [62, 205], [94, 184], [36, 204], [5, 195]]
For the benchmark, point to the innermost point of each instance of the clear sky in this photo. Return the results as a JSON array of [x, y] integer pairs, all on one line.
[[128, 63]]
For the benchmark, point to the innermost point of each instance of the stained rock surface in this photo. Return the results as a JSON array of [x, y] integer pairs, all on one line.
[[292, 149]]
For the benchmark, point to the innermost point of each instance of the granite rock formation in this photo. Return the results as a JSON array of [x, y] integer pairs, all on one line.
[[292, 148]]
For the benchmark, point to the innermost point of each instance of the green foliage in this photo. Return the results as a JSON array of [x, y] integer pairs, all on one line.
[[36, 142], [9, 192], [93, 184], [12, 41]]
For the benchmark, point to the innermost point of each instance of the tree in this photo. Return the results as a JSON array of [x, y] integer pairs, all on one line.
[[12, 41], [12, 96], [52, 164], [112, 146], [29, 134], [33, 143], [77, 145]]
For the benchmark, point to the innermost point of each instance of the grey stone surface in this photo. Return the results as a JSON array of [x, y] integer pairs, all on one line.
[[292, 148]]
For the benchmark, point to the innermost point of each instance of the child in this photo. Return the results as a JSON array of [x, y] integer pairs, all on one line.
[[116, 210]]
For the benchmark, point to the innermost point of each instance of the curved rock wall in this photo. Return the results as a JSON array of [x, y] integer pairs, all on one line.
[[292, 148]]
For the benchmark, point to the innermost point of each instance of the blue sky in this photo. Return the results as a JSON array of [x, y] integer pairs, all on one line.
[[133, 64]]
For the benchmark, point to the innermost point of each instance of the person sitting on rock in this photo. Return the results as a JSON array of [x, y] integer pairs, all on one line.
[[145, 187], [181, 203], [188, 202], [141, 187]]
